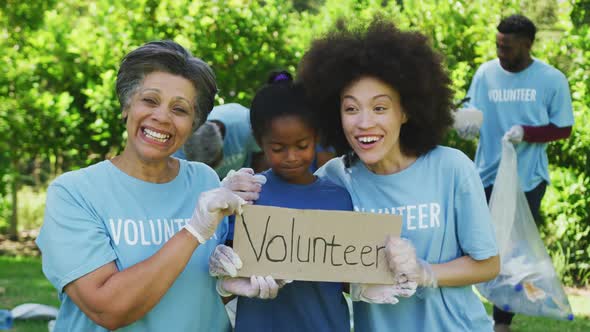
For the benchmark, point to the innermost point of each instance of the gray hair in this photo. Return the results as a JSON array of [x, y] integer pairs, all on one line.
[[205, 145], [170, 57]]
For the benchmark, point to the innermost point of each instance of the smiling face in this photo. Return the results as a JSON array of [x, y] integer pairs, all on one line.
[[159, 117], [289, 148], [372, 117]]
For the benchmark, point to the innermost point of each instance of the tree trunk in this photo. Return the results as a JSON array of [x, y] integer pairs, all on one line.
[[12, 229]]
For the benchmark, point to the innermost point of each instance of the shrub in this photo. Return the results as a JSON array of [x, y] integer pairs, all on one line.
[[566, 230]]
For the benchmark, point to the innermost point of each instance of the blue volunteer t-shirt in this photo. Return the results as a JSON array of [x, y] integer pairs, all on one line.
[[536, 96], [100, 214], [300, 305], [441, 200], [238, 143]]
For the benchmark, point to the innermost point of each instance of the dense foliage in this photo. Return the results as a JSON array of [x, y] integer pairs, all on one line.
[[58, 109]]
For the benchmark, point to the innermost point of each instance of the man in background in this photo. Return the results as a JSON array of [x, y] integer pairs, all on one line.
[[525, 101]]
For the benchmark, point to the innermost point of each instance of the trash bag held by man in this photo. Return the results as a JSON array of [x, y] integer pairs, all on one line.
[[527, 283]]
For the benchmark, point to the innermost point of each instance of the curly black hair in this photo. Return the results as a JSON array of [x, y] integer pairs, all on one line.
[[519, 25], [402, 59], [279, 97]]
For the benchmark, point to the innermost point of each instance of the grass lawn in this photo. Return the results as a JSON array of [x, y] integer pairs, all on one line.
[[21, 281], [581, 323]]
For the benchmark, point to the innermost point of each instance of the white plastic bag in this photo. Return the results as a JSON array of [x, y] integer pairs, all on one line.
[[34, 311], [527, 283]]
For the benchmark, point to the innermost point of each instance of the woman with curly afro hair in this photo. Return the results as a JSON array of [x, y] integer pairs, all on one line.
[[384, 103]]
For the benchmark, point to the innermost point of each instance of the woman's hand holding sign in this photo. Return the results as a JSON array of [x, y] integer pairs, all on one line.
[[211, 207], [225, 263], [382, 294], [402, 260], [404, 263]]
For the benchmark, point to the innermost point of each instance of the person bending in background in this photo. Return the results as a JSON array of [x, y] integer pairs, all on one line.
[[225, 141], [526, 101], [287, 131]]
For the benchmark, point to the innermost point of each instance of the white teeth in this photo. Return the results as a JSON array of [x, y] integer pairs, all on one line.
[[368, 139], [156, 135]]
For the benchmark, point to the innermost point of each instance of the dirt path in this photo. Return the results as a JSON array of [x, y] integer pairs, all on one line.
[[25, 246]]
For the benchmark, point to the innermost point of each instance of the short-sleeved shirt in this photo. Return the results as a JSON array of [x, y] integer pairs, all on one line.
[[239, 143], [442, 203], [537, 96], [300, 305], [100, 214]]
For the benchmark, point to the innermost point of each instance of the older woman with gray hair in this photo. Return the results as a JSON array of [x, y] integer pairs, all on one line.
[[126, 241]]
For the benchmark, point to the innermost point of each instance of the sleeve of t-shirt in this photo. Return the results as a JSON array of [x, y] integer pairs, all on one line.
[[474, 224], [560, 104], [73, 241], [473, 91], [333, 170]]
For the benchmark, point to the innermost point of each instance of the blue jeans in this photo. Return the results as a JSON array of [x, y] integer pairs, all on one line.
[[534, 198]]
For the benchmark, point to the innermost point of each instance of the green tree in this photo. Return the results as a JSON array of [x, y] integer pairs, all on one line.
[[58, 105]]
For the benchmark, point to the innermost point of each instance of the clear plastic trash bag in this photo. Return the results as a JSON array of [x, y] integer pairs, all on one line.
[[34, 311], [527, 283]]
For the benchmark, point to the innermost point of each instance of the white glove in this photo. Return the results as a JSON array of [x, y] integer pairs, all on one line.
[[211, 207], [244, 183], [381, 294], [224, 262], [469, 131], [514, 134], [404, 286], [256, 286], [402, 260]]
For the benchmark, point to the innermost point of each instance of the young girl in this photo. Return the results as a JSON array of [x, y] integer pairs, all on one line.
[[286, 130]]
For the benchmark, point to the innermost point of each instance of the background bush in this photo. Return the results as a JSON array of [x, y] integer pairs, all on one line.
[[58, 109]]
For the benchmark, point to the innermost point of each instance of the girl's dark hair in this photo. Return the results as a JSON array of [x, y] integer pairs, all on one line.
[[279, 97], [404, 60]]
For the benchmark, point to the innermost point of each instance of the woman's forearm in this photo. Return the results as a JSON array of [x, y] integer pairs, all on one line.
[[115, 298], [466, 271]]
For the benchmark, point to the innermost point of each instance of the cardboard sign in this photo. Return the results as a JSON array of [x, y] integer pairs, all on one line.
[[314, 245]]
